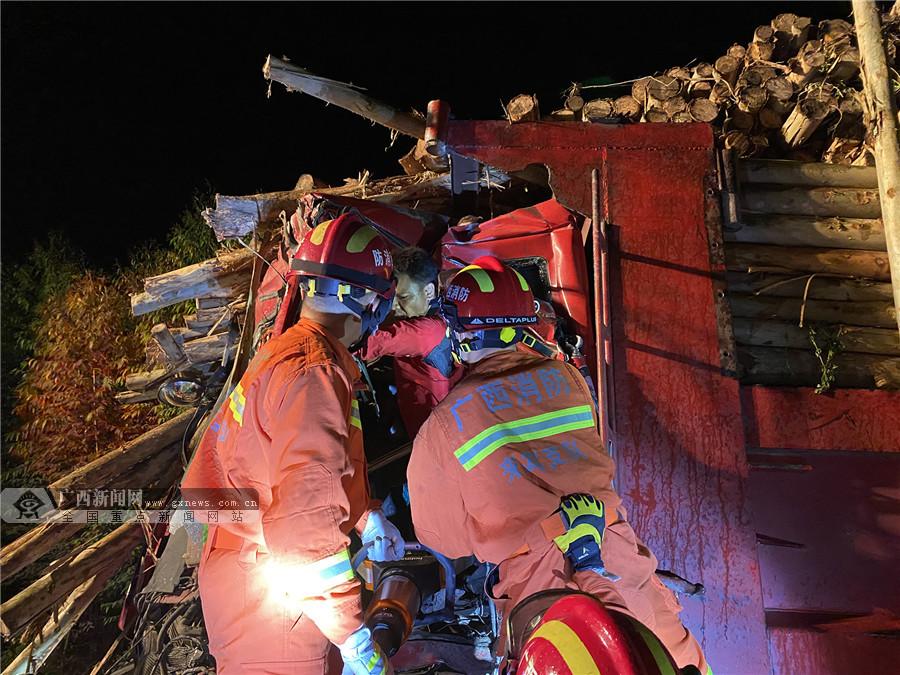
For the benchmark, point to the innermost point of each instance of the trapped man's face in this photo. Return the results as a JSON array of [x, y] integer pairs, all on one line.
[[413, 298]]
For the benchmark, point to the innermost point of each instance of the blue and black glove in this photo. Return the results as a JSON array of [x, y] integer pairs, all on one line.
[[585, 520]]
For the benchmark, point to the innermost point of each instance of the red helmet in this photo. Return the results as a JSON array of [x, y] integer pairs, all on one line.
[[577, 635], [346, 258], [491, 300]]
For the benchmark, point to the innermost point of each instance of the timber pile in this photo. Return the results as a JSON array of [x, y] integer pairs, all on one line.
[[808, 277], [792, 92]]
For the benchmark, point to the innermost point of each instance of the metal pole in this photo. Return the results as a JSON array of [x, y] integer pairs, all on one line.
[[599, 309]]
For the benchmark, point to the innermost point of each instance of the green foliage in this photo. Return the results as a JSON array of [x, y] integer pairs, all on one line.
[[827, 345], [77, 339]]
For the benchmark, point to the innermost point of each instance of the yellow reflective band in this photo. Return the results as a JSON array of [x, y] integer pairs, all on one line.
[[570, 647], [236, 403], [318, 234], [522, 282], [465, 347], [343, 289], [355, 419], [312, 286], [360, 239], [565, 540], [471, 453], [663, 663], [482, 278], [370, 666], [508, 334], [333, 570]]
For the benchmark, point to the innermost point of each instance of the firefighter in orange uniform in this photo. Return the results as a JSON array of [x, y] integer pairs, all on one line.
[[278, 590], [509, 468]]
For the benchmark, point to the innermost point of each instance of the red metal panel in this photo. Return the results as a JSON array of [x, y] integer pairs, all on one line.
[[680, 442], [800, 652], [847, 419], [831, 529]]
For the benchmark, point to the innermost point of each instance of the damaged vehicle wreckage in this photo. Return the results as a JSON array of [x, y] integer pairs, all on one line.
[[709, 261]]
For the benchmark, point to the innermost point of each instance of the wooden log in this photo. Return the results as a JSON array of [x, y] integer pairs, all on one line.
[[844, 65], [721, 93], [133, 397], [737, 51], [598, 109], [803, 121], [835, 30], [117, 462], [875, 314], [682, 117], [700, 89], [574, 102], [211, 303], [654, 115], [800, 368], [740, 120], [23, 551], [628, 107], [843, 151], [752, 99], [738, 142], [815, 174], [792, 259], [727, 68], [817, 201], [224, 277], [674, 105], [680, 73], [563, 115], [781, 230], [760, 142], [703, 110], [760, 51], [782, 34], [46, 592], [661, 88], [780, 89], [881, 110], [145, 379], [639, 90], [820, 288], [756, 75], [206, 349], [57, 628], [764, 34], [855, 339], [523, 108], [173, 353], [770, 118], [800, 31], [807, 66], [342, 95]]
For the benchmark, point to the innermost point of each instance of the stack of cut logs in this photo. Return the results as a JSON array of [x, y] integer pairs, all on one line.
[[793, 92], [807, 265], [218, 288]]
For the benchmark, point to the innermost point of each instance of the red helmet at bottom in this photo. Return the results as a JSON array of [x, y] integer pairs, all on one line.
[[577, 635]]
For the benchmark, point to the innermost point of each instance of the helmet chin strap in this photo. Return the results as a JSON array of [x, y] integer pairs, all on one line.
[[485, 339], [371, 316]]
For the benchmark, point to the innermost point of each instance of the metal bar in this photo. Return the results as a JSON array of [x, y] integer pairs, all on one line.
[[599, 307]]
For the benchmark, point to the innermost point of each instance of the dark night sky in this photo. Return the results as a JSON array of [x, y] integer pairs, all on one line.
[[112, 114]]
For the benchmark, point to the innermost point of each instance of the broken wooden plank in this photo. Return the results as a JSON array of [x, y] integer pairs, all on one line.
[[173, 353], [18, 611], [343, 95], [223, 277]]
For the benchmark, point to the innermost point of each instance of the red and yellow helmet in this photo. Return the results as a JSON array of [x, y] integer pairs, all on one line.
[[347, 258], [577, 635], [491, 300], [349, 251]]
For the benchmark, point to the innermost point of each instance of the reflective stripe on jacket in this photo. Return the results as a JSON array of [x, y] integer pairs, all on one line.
[[492, 461]]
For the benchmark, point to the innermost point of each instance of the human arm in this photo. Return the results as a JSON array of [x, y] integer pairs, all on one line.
[[405, 337]]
